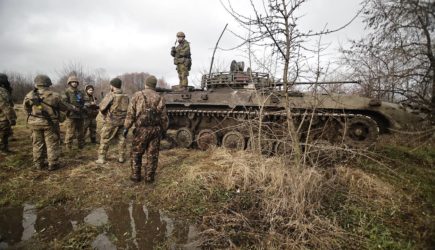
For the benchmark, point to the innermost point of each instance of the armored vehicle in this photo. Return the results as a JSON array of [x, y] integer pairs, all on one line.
[[233, 108]]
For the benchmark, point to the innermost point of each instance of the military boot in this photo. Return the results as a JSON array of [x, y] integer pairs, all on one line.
[[149, 176], [101, 159], [4, 148]]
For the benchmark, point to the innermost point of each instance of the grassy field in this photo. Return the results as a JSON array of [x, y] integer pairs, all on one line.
[[380, 200]]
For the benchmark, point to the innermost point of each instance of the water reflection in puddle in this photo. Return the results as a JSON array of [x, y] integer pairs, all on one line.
[[131, 226]]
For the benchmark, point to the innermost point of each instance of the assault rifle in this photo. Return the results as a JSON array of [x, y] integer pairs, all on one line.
[[38, 101]]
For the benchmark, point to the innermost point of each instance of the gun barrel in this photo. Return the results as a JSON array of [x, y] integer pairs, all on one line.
[[321, 83]]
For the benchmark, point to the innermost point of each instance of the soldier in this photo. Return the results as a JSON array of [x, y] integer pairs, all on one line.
[[92, 112], [7, 113], [75, 119], [114, 109], [43, 107], [182, 58], [147, 112]]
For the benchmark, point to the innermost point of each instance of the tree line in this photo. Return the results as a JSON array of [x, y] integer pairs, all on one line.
[[23, 83]]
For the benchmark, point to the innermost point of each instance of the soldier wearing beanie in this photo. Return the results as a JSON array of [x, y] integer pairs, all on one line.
[[75, 119], [7, 113], [147, 112], [43, 107], [114, 110]]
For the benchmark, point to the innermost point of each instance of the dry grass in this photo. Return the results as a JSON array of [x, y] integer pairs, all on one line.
[[266, 203], [244, 200]]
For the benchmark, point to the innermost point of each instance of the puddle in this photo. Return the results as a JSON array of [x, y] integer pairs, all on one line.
[[126, 226]]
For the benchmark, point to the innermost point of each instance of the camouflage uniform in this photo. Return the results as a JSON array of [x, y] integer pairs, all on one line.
[[90, 122], [75, 119], [147, 112], [114, 109], [7, 113], [43, 107], [182, 58]]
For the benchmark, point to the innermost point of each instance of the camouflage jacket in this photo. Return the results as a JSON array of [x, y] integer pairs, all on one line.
[[75, 97], [114, 108], [7, 112], [182, 53], [147, 108], [91, 106], [43, 107]]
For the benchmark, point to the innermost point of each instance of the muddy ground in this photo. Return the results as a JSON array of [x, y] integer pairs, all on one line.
[[384, 200]]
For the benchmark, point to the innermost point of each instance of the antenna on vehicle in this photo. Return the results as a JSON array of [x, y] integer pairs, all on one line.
[[214, 51]]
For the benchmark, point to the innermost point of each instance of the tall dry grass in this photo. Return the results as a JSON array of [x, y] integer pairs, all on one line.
[[275, 204]]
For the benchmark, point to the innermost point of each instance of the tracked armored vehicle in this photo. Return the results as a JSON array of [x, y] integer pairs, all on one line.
[[232, 108]]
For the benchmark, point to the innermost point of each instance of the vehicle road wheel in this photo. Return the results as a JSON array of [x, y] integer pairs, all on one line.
[[184, 137], [361, 132], [206, 138], [233, 140]]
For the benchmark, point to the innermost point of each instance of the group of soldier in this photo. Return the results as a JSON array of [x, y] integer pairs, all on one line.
[[46, 109]]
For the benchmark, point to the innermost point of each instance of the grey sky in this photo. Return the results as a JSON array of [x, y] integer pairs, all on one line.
[[134, 35]]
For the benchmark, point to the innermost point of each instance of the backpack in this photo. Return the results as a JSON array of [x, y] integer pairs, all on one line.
[[151, 116]]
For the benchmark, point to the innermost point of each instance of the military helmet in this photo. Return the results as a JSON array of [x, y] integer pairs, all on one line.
[[116, 82], [42, 81], [151, 82], [181, 34], [73, 78]]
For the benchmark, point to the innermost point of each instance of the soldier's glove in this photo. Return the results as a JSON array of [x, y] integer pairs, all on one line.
[[13, 122], [173, 51], [125, 132]]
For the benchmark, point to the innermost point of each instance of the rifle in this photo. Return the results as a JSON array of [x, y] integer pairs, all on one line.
[[38, 101]]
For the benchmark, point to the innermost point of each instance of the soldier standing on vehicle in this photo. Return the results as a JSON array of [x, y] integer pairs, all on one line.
[[147, 112], [182, 58], [75, 119], [114, 109], [92, 112], [7, 113], [43, 107]]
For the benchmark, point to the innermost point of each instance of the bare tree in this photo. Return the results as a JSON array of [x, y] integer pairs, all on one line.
[[273, 24], [396, 60], [21, 85]]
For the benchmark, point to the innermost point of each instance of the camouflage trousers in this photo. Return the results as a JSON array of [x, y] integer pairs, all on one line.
[[90, 124], [46, 142], [74, 129], [145, 139], [5, 132], [109, 133], [183, 73]]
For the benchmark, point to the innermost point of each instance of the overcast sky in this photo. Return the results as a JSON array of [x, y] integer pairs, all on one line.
[[39, 36]]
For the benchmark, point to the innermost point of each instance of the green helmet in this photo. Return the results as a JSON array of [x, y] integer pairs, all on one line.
[[42, 81], [151, 82], [73, 78], [181, 34], [116, 82]]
